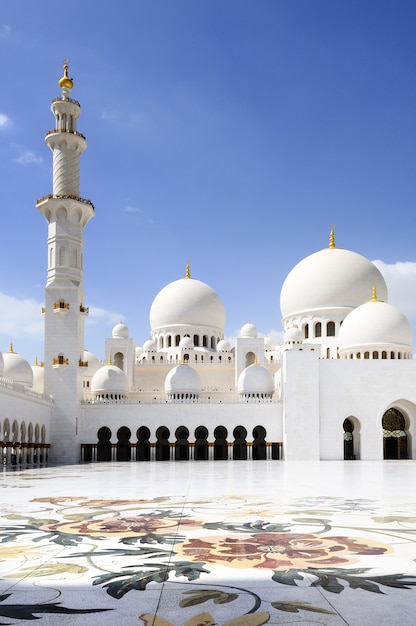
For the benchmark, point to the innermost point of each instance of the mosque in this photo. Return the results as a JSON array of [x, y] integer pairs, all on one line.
[[342, 385]]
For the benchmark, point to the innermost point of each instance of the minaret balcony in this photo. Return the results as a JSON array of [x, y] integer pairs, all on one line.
[[61, 307], [59, 361], [85, 310], [65, 130]]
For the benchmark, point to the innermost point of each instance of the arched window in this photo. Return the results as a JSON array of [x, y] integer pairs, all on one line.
[[177, 340], [330, 329], [169, 338], [318, 329], [366, 355], [196, 340], [306, 331], [62, 255], [384, 355], [119, 360], [205, 341], [375, 354], [161, 342]]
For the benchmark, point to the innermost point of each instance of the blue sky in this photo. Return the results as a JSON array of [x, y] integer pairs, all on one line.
[[229, 133]]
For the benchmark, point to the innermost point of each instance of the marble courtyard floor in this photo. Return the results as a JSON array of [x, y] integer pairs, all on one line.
[[203, 543]]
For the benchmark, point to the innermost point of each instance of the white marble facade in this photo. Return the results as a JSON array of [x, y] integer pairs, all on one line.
[[342, 385]]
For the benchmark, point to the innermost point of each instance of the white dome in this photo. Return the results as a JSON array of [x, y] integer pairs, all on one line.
[[1, 365], [38, 377], [223, 346], [120, 331], [17, 369], [374, 324], [182, 379], [150, 345], [269, 343], [249, 330], [186, 342], [187, 302], [109, 379], [294, 335], [330, 278], [255, 379], [93, 363]]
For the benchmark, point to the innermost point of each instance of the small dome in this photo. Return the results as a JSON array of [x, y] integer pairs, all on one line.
[[109, 379], [269, 344], [330, 278], [38, 377], [120, 331], [150, 346], [249, 330], [16, 368], [186, 342], [293, 335], [223, 346], [93, 363], [373, 324], [255, 379], [182, 379]]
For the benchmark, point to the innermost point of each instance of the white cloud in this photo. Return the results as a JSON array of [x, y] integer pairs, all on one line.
[[132, 209], [401, 284], [5, 120], [99, 316], [28, 157], [5, 31], [108, 115], [20, 318]]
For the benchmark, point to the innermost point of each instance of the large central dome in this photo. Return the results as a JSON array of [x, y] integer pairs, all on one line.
[[330, 278], [187, 302]]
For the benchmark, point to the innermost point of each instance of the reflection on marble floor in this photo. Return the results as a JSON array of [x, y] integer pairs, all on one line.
[[198, 544]]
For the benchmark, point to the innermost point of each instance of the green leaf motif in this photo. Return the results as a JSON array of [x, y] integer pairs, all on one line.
[[295, 607], [249, 527], [204, 595], [49, 569]]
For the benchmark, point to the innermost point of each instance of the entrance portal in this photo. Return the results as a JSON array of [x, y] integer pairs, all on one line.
[[394, 435]]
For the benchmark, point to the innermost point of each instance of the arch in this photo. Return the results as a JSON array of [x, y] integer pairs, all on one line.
[[201, 444], [196, 340], [104, 444], [123, 444], [162, 444], [330, 329], [62, 255], [15, 431], [250, 358], [6, 430], [394, 434], [182, 444], [318, 329], [259, 443], [205, 341], [143, 444], [306, 331], [30, 432], [118, 360], [177, 340], [240, 444], [220, 444]]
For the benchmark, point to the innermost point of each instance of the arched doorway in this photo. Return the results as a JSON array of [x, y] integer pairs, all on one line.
[[220, 444], [123, 444], [143, 444], [240, 444], [348, 440], [162, 444], [394, 435], [201, 444], [182, 444], [104, 444], [259, 443]]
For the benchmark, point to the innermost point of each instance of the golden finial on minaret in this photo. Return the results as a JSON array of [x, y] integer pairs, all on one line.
[[188, 271], [65, 81], [332, 237]]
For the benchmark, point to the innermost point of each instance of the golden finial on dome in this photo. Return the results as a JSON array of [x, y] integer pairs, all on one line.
[[65, 81], [332, 237], [11, 348], [188, 271], [110, 360], [36, 361], [374, 295]]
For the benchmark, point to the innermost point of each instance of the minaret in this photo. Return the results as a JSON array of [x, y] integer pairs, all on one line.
[[67, 214]]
